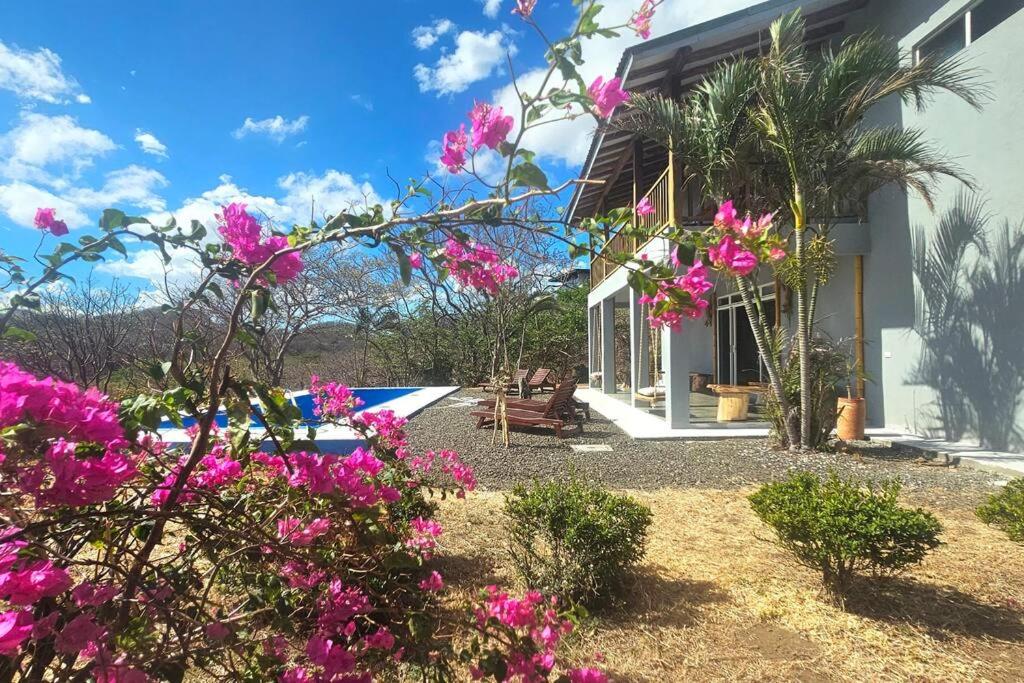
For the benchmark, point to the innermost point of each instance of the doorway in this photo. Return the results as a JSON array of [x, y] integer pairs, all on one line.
[[738, 361]]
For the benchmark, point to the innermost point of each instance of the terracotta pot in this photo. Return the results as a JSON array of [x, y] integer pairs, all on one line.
[[850, 422]]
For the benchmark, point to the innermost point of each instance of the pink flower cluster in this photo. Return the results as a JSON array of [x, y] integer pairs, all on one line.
[[680, 297], [424, 536], [216, 470], [534, 624], [294, 531], [490, 128], [383, 425], [78, 456], [332, 401], [477, 265], [644, 207], [450, 464], [245, 236], [743, 244], [46, 219], [524, 8], [607, 96], [353, 476], [641, 19]]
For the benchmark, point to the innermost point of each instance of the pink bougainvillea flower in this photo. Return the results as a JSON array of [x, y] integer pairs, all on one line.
[[607, 96], [490, 125], [89, 594], [453, 149], [243, 233], [731, 256], [15, 628], [81, 633], [726, 216], [644, 207], [477, 265], [524, 8], [30, 583], [416, 259], [432, 583], [587, 675], [776, 254], [46, 220], [217, 631], [381, 639], [641, 19]]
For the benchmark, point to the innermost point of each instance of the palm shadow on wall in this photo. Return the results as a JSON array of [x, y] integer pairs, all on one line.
[[970, 318]]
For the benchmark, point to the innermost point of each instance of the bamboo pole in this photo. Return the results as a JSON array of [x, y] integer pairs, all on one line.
[[858, 313], [671, 185]]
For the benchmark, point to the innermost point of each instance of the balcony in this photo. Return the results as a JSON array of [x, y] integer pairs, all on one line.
[[662, 200]]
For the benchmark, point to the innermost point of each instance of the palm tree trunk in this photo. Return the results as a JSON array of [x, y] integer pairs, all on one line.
[[803, 327], [771, 362]]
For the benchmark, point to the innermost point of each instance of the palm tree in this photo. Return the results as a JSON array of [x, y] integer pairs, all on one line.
[[367, 323], [787, 129]]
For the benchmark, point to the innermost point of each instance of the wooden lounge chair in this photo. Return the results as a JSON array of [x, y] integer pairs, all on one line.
[[551, 416], [543, 379], [564, 404], [513, 387]]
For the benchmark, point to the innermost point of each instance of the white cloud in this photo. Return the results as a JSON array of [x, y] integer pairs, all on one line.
[[329, 193], [277, 128], [149, 143], [491, 7], [423, 37], [363, 101], [37, 76], [569, 141], [133, 186], [477, 55], [39, 142], [19, 200]]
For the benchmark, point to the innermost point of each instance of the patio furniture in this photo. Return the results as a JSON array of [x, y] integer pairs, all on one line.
[[561, 403], [541, 380], [553, 415], [734, 400], [520, 374], [652, 395]]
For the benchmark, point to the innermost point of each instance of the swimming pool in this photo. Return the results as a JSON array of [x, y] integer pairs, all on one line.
[[403, 401]]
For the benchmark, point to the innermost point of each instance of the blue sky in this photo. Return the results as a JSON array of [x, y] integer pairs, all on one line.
[[144, 105]]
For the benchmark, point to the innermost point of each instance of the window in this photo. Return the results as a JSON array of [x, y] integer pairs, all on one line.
[[946, 42], [990, 13], [975, 21]]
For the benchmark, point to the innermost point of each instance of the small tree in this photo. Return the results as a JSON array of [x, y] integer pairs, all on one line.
[[841, 528]]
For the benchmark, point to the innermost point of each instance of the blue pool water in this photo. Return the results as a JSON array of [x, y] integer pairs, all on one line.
[[370, 398]]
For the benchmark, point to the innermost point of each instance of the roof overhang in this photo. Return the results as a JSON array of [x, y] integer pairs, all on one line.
[[677, 61]]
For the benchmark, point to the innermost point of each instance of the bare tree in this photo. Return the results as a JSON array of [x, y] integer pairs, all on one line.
[[82, 333]]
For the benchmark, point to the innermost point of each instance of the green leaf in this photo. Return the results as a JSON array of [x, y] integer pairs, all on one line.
[[117, 246], [528, 174], [112, 219]]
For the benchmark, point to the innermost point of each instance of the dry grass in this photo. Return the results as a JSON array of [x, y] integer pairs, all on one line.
[[716, 600]]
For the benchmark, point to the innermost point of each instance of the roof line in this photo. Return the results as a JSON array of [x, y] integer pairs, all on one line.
[[626, 62]]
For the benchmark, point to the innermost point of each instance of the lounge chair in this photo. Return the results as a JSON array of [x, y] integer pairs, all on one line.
[[553, 415], [513, 386], [542, 379], [564, 404]]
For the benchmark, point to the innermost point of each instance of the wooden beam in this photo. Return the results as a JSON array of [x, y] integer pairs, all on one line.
[[614, 176]]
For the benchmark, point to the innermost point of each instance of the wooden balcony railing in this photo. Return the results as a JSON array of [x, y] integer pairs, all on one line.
[[660, 196]]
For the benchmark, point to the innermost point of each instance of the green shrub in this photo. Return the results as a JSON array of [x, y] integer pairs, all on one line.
[[840, 527], [574, 539], [1005, 510]]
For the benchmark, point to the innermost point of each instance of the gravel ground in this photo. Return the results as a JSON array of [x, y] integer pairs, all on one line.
[[732, 463]]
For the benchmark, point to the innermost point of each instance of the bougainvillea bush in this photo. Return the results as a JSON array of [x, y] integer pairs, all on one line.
[[246, 551]]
